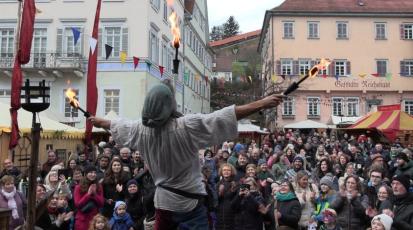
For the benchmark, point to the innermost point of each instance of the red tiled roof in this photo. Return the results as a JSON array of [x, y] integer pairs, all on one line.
[[346, 6], [236, 38]]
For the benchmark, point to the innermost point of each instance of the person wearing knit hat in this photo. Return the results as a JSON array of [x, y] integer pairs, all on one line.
[[261, 161], [381, 222], [403, 180], [121, 219], [327, 180], [329, 220], [404, 165], [130, 182]]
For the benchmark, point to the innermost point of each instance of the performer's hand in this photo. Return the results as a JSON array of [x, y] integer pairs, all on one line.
[[272, 101], [99, 122]]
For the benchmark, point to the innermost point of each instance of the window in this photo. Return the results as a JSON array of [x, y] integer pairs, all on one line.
[[407, 31], [324, 72], [313, 30], [6, 42], [406, 68], [338, 106], [304, 66], [165, 11], [286, 67], [408, 106], [154, 47], [165, 54], [5, 93], [288, 29], [380, 31], [313, 108], [70, 111], [111, 100], [156, 4], [342, 30], [288, 107], [70, 48], [340, 68], [381, 67], [113, 38], [353, 104], [39, 47]]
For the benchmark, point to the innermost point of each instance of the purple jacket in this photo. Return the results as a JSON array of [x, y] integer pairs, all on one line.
[[21, 204]]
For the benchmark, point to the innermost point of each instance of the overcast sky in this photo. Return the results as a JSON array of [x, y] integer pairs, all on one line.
[[248, 13]]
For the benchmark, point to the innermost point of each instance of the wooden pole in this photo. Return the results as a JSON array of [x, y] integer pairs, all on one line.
[[31, 201]]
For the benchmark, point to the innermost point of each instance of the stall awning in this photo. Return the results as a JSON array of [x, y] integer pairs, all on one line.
[[245, 126], [387, 121]]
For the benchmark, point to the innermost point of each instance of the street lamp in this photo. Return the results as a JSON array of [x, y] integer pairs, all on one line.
[[34, 98]]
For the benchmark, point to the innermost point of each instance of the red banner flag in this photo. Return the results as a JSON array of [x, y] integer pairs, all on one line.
[[92, 92], [26, 31], [22, 57], [375, 75], [135, 62], [161, 68]]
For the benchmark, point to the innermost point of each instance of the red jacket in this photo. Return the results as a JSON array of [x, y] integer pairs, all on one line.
[[82, 219]]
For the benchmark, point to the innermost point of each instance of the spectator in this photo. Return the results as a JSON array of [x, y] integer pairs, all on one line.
[[298, 165], [287, 210], [82, 160], [51, 161], [402, 213], [134, 204], [306, 194], [227, 189], [99, 222], [88, 199], [114, 186], [329, 220], [404, 165], [326, 197], [240, 166], [12, 199], [383, 201], [121, 220], [11, 170], [71, 165], [350, 205], [381, 222], [102, 166]]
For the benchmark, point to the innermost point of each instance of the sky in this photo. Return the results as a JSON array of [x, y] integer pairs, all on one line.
[[248, 13]]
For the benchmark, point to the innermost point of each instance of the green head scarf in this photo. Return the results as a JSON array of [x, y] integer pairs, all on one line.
[[159, 106]]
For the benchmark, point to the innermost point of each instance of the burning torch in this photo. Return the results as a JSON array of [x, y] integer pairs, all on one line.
[[71, 95], [173, 19], [311, 73]]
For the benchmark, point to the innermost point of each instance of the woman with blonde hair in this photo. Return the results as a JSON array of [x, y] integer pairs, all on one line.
[[54, 182], [99, 222], [306, 193], [227, 189]]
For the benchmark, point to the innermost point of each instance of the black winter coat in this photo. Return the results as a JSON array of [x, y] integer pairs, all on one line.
[[357, 212], [403, 212], [225, 214], [247, 216], [134, 206], [290, 213]]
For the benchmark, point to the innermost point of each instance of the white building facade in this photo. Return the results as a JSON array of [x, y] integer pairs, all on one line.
[[138, 28]]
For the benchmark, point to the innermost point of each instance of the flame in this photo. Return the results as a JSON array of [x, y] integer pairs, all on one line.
[[322, 65], [173, 19], [71, 95], [170, 2]]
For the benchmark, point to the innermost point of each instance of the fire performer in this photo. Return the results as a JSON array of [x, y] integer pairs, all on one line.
[[170, 143]]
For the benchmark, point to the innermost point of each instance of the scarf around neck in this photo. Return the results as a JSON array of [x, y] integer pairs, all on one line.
[[285, 196], [11, 202]]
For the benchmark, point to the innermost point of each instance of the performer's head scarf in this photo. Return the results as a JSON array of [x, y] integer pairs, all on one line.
[[159, 106]]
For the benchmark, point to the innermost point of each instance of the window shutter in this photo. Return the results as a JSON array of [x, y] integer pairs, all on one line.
[[295, 68], [100, 42], [125, 39], [332, 68], [348, 70], [402, 32], [59, 42], [402, 69], [82, 41], [278, 67]]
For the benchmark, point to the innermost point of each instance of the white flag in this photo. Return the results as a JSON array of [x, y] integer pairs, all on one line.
[[92, 43]]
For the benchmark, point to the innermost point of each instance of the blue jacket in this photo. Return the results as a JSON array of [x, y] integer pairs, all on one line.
[[120, 222]]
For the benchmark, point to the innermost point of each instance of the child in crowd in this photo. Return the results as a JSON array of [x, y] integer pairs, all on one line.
[[121, 220], [381, 222], [63, 208], [99, 222], [329, 220]]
